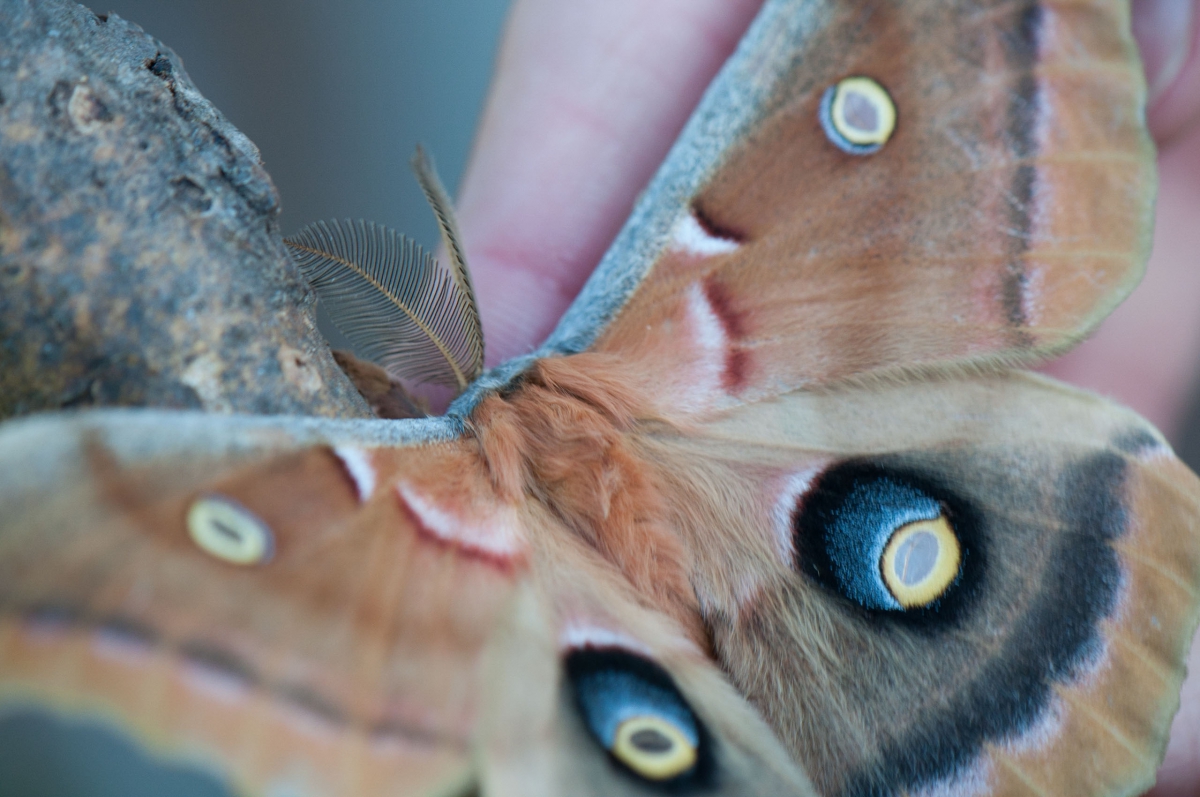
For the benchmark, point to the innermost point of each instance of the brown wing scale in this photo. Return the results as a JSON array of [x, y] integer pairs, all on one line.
[[346, 663], [1007, 214], [1054, 664]]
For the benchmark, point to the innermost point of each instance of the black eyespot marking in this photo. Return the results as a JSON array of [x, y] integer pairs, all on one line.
[[886, 540], [1039, 575], [635, 712], [1050, 643]]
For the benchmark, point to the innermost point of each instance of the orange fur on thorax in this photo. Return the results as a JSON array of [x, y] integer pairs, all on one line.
[[561, 438]]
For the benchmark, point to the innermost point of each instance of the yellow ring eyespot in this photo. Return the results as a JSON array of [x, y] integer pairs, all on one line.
[[920, 561], [858, 115], [228, 531], [653, 747]]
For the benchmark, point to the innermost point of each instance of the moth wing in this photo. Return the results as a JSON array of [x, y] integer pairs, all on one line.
[[579, 654], [1048, 657], [1009, 211], [281, 603]]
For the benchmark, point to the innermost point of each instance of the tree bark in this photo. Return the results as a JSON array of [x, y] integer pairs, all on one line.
[[140, 257]]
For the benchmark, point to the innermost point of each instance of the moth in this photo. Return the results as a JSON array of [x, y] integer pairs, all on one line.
[[773, 510]]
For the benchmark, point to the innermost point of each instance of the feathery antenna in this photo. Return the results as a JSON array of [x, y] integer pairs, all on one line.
[[396, 304], [443, 211]]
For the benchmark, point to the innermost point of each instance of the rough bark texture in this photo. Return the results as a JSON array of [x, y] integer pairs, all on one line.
[[140, 260]]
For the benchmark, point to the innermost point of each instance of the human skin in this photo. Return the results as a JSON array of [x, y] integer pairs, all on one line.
[[587, 98]]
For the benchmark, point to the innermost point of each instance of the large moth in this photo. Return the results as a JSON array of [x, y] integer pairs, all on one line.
[[770, 512]]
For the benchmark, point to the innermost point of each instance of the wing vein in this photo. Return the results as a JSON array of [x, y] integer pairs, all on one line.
[[1103, 723], [1021, 775], [1161, 569]]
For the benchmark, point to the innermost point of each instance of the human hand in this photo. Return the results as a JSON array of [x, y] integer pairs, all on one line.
[[587, 99]]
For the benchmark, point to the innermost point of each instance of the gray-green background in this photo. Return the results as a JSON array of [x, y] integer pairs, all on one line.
[[337, 94]]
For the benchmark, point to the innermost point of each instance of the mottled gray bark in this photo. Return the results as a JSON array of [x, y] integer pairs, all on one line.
[[140, 260]]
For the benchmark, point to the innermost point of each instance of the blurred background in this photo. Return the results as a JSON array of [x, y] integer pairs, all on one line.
[[337, 95]]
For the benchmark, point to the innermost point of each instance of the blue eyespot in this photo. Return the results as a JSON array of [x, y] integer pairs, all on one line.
[[880, 539], [860, 530], [634, 711]]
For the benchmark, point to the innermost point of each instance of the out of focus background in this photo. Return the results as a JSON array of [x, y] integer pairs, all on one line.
[[337, 95]]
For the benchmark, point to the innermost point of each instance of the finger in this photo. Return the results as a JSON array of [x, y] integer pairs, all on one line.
[[1168, 35], [587, 98]]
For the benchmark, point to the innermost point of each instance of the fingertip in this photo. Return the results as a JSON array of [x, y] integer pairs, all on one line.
[[1168, 37], [587, 98]]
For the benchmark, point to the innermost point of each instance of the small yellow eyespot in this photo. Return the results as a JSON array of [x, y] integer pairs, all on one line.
[[920, 561], [858, 115], [653, 747], [228, 531]]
